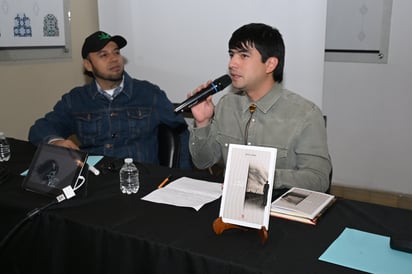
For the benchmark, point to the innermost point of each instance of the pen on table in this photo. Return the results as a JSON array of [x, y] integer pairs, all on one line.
[[94, 170], [164, 181]]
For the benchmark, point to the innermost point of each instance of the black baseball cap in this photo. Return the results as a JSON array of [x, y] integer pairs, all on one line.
[[99, 40]]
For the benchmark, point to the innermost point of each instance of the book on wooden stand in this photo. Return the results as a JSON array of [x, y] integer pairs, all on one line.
[[247, 190], [301, 205]]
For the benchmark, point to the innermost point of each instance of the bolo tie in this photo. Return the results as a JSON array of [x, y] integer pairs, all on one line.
[[252, 109]]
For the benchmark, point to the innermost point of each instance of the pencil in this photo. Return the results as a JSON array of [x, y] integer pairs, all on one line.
[[164, 181]]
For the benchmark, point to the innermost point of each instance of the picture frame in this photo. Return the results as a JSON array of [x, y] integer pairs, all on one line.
[[33, 30]]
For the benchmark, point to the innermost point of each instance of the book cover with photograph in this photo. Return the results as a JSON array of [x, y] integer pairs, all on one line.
[[248, 185]]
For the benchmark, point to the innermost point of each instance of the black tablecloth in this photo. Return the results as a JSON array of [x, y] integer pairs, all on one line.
[[105, 231]]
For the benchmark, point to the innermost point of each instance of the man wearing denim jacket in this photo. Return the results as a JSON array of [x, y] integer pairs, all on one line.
[[115, 115]]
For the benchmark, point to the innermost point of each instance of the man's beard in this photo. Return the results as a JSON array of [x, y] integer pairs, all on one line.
[[106, 77]]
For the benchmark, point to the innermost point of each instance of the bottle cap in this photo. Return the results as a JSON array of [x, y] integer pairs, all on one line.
[[128, 160]]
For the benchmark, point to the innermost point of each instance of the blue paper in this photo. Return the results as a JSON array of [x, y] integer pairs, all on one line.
[[91, 161], [367, 252]]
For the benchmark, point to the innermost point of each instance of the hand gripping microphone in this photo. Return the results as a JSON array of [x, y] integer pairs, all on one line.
[[216, 86]]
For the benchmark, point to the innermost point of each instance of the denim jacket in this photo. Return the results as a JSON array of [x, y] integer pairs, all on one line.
[[125, 126]]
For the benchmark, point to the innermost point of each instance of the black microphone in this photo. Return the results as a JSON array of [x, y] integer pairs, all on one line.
[[216, 86]]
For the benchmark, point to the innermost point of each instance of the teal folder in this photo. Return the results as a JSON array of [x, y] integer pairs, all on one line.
[[367, 252]]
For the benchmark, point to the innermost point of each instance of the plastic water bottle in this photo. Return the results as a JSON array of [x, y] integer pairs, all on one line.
[[129, 177], [4, 148]]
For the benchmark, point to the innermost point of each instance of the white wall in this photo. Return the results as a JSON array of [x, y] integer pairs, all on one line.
[[369, 114], [181, 44]]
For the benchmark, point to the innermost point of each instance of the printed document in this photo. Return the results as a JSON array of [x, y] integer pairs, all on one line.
[[186, 192]]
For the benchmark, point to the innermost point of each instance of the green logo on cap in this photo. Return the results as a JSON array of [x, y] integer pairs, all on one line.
[[104, 36]]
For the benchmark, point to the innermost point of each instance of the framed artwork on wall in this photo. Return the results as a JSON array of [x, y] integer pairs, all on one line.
[[34, 29]]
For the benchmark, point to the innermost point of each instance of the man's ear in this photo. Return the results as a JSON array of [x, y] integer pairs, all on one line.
[[271, 64], [87, 65]]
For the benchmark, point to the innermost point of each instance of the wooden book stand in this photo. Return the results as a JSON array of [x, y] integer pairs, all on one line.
[[219, 226]]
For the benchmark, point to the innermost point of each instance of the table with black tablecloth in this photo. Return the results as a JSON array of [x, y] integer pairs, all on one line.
[[105, 231]]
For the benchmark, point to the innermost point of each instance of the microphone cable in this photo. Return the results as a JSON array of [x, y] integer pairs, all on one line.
[[67, 194]]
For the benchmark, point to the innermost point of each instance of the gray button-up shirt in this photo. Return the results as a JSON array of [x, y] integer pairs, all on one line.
[[283, 120]]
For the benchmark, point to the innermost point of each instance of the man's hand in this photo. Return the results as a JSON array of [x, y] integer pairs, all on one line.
[[65, 143], [203, 111]]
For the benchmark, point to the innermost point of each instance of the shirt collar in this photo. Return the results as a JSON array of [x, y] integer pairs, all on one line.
[[116, 90], [264, 103]]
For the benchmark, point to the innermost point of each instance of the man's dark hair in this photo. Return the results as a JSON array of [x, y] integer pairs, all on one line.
[[267, 40], [88, 73]]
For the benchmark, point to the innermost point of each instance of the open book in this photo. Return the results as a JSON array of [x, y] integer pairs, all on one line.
[[301, 205]]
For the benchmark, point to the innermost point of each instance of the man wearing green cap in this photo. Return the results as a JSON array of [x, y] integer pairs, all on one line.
[[115, 115]]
